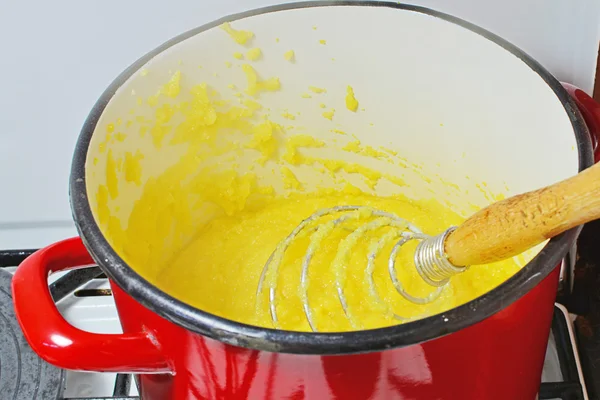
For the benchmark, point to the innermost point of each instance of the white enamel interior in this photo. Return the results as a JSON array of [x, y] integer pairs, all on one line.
[[444, 97]]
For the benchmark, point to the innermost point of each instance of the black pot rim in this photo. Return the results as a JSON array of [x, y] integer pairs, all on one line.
[[243, 335]]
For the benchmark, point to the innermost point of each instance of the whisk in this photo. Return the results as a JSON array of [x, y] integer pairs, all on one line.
[[497, 232]]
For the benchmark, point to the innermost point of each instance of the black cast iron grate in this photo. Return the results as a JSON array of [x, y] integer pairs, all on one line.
[[568, 389]]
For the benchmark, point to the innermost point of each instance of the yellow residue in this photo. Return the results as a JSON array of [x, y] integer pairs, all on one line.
[[240, 37], [158, 133], [290, 181], [483, 188], [227, 64], [252, 105], [289, 55], [371, 176], [238, 55], [110, 128], [322, 41], [255, 85], [351, 102], [322, 105], [105, 142], [231, 86], [253, 54], [293, 143], [338, 131], [306, 96], [317, 90], [133, 168], [164, 113], [264, 139], [153, 100], [120, 137], [112, 181], [287, 115], [144, 72], [329, 114], [367, 151], [353, 146], [228, 189], [173, 87]]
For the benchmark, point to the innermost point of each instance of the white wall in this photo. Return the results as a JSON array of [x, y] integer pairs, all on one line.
[[58, 56]]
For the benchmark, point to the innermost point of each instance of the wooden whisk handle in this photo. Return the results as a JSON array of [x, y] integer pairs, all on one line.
[[511, 226]]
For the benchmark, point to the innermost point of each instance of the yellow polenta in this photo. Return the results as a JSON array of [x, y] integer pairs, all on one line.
[[203, 227]]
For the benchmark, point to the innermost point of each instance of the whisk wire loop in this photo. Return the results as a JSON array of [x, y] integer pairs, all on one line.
[[430, 259]]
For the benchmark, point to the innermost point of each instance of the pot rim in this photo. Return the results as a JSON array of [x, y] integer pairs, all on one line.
[[266, 339]]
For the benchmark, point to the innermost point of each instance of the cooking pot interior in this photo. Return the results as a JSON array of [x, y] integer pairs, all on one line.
[[221, 119]]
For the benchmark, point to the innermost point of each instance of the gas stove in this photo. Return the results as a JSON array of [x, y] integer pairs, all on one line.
[[85, 300]]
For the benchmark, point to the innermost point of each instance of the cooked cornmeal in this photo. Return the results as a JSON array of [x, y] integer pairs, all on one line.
[[237, 183]]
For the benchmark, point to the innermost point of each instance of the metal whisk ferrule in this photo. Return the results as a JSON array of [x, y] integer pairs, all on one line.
[[431, 260]]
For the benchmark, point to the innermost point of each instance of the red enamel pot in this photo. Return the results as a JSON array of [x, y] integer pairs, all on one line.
[[444, 91]]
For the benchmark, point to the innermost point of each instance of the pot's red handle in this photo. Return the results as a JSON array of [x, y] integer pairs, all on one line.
[[60, 343], [590, 110]]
